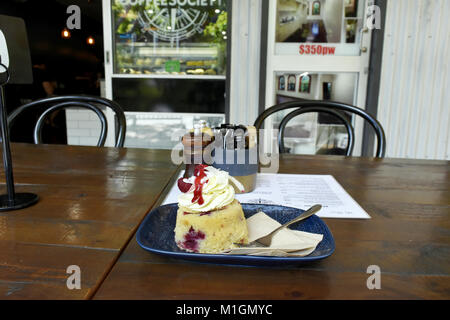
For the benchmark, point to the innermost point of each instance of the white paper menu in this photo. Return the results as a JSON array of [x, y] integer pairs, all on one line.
[[298, 191]]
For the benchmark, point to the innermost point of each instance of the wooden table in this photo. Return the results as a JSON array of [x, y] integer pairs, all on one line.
[[408, 237], [91, 202]]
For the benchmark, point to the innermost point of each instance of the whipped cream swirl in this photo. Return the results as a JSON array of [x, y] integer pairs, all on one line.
[[216, 192]]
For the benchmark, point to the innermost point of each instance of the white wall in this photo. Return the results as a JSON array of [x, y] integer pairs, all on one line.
[[245, 61], [414, 101]]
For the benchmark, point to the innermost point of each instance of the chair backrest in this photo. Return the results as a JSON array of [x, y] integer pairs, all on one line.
[[72, 101], [330, 107]]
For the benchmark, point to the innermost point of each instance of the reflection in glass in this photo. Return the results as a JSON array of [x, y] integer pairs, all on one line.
[[316, 8], [322, 21], [350, 30], [291, 82], [281, 84], [315, 133], [170, 95], [305, 83], [351, 8], [163, 130], [326, 86], [153, 37]]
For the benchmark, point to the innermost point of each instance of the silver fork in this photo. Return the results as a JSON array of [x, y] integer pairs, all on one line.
[[267, 240]]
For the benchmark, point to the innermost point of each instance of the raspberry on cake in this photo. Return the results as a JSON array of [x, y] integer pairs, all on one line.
[[209, 218]]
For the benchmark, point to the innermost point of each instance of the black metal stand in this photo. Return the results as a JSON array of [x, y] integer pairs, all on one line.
[[11, 200]]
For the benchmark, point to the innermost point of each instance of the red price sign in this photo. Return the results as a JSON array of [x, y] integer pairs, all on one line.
[[316, 49]]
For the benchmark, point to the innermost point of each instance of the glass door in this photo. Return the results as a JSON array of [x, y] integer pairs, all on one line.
[[166, 65], [317, 50]]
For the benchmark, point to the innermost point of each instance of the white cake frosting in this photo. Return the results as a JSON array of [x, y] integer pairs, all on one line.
[[217, 191]]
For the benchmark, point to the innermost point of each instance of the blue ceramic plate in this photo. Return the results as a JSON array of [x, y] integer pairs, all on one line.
[[156, 235]]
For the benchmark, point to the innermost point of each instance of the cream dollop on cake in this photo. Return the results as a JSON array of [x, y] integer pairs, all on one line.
[[209, 218]]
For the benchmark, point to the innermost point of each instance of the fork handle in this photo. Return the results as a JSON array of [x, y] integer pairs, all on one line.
[[302, 216]]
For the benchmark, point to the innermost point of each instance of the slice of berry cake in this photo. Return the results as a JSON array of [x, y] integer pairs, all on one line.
[[209, 218]]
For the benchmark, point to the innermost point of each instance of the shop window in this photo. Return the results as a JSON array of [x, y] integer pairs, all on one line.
[[157, 38], [157, 95], [305, 84], [291, 83]]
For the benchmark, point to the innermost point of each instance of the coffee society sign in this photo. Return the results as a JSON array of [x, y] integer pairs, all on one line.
[[198, 3], [172, 20]]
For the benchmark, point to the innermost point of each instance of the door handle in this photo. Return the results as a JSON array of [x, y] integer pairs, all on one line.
[[361, 33]]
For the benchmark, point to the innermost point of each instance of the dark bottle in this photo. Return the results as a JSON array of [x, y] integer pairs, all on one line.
[[194, 144]]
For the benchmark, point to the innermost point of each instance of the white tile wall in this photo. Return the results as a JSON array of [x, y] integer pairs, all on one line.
[[83, 127]]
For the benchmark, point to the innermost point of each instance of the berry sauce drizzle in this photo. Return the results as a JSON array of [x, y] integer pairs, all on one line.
[[199, 173]]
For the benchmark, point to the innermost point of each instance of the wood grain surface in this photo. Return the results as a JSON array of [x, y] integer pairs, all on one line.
[[408, 237], [91, 202]]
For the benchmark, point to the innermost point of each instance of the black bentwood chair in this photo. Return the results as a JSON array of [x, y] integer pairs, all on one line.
[[336, 109], [72, 101]]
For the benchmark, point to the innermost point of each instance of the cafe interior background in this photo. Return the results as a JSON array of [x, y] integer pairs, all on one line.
[[226, 61]]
